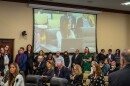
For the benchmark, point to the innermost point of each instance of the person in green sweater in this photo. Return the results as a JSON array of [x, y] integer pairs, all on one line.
[[86, 60]]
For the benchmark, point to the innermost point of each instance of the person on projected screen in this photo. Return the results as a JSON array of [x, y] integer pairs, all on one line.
[[70, 34], [37, 43], [64, 22], [84, 22]]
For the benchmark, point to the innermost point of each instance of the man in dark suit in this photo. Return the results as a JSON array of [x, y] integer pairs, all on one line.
[[62, 71], [62, 76], [110, 56], [121, 77], [40, 66], [101, 56], [76, 58]]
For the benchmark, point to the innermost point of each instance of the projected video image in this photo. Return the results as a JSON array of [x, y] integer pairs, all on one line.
[[61, 31]]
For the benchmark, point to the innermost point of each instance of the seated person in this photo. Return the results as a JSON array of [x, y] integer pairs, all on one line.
[[113, 67], [15, 78], [110, 56], [104, 68], [96, 79], [62, 76], [92, 63], [77, 76], [39, 66], [48, 72], [62, 71]]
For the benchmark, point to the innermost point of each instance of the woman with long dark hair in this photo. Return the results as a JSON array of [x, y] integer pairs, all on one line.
[[30, 58]]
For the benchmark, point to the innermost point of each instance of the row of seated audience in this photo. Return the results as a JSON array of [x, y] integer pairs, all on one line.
[[69, 71]]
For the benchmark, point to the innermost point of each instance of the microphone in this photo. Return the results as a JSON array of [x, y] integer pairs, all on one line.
[[16, 81]]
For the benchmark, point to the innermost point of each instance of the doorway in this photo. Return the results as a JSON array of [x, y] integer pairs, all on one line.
[[10, 43]]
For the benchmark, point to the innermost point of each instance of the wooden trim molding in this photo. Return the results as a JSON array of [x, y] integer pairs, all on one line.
[[69, 6]]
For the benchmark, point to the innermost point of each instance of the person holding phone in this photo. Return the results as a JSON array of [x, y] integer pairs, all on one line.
[[76, 77]]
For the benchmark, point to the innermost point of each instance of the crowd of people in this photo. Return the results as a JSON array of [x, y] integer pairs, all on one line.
[[68, 69]]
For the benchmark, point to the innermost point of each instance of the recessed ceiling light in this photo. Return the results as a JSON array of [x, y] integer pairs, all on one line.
[[126, 3]]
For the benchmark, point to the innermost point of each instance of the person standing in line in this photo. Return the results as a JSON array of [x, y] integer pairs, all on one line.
[[6, 60], [86, 60], [7, 52], [1, 65], [76, 58], [67, 59], [30, 58], [21, 59], [59, 58]]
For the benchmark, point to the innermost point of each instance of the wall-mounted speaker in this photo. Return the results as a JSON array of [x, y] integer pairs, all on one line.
[[24, 33]]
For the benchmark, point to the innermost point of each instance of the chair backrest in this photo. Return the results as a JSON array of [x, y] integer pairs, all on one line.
[[87, 82], [88, 72], [33, 80], [22, 73], [106, 78], [85, 76]]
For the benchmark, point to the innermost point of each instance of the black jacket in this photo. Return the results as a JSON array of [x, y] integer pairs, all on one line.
[[78, 80], [2, 66], [77, 60], [66, 60], [40, 67], [120, 77], [64, 73], [30, 58], [49, 73], [100, 57]]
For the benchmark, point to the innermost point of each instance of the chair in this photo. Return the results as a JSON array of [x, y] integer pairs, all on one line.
[[106, 80], [33, 80], [88, 72], [87, 82], [85, 78], [55, 81]]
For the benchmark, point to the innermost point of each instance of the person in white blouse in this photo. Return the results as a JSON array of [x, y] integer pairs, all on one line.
[[15, 78]]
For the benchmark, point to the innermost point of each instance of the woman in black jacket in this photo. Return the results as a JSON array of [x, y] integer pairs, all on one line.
[[77, 76], [30, 58], [48, 72]]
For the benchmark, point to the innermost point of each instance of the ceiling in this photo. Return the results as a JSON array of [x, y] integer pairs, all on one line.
[[104, 5]]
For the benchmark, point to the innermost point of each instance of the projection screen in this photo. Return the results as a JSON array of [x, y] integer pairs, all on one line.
[[64, 31]]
